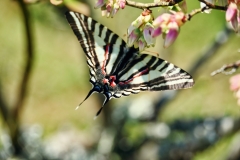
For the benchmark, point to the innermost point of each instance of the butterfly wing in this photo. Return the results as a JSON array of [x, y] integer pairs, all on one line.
[[105, 51], [107, 54], [150, 73]]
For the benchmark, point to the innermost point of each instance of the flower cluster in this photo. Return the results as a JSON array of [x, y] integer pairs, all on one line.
[[169, 26], [110, 7], [233, 13], [140, 31], [235, 86], [144, 30]]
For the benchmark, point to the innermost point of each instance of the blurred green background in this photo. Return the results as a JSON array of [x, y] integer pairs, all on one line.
[[60, 79]]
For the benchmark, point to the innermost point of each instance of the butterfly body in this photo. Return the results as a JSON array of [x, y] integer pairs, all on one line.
[[118, 70]]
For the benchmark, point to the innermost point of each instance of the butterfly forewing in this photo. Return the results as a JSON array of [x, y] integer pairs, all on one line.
[[108, 55], [101, 46]]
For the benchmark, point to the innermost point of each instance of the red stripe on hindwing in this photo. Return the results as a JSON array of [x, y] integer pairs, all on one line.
[[105, 59], [135, 76]]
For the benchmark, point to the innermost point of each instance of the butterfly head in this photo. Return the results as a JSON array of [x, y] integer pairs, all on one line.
[[100, 89]]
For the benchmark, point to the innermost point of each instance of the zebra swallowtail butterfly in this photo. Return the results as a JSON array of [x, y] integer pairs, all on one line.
[[118, 70]]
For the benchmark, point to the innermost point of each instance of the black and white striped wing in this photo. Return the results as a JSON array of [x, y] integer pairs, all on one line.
[[108, 55], [150, 73], [103, 48]]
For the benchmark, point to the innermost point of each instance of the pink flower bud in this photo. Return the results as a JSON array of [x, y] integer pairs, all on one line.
[[171, 35], [122, 3], [164, 18], [147, 33], [99, 3], [235, 82], [135, 24], [115, 9], [139, 21], [141, 43], [234, 23], [231, 12], [157, 32], [133, 37], [109, 7]]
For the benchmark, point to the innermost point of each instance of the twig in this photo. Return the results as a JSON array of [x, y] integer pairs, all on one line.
[[193, 13], [200, 10], [233, 66], [161, 3], [212, 6]]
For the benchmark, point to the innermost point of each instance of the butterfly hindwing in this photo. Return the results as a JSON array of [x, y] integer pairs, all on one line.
[[150, 73], [156, 74]]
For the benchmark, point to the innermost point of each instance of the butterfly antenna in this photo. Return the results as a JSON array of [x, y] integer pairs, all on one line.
[[108, 96], [94, 89]]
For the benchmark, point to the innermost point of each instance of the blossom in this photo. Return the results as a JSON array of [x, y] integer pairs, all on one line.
[[235, 86], [164, 18], [133, 36], [136, 24], [235, 82], [110, 7], [122, 3], [172, 34], [231, 11], [147, 34], [168, 25], [140, 31], [99, 3], [157, 32], [232, 15], [141, 43]]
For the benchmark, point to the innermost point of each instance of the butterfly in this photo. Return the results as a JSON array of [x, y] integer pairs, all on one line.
[[118, 70]]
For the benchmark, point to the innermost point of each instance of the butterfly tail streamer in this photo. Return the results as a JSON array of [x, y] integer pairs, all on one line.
[[95, 88], [108, 96]]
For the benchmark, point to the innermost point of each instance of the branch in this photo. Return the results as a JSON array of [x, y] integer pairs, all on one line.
[[161, 3], [200, 10], [3, 107], [212, 6], [29, 61], [233, 66], [165, 3]]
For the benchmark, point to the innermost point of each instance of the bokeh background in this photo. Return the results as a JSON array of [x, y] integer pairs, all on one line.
[[198, 123]]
